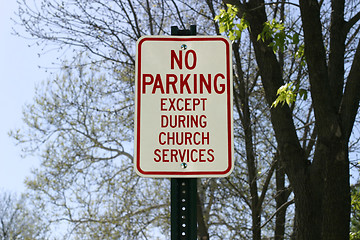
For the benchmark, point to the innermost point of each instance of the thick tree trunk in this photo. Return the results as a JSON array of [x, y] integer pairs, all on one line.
[[282, 194], [308, 211], [323, 203], [327, 80], [336, 198], [321, 185], [307, 202]]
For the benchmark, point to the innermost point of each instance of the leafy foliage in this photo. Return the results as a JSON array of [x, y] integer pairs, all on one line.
[[288, 93], [226, 20], [355, 214], [280, 37]]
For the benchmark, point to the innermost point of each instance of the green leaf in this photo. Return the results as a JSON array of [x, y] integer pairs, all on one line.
[[285, 94], [227, 23], [295, 38], [303, 93]]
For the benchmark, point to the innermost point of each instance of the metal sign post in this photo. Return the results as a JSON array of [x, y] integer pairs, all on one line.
[[183, 190], [183, 208], [183, 116]]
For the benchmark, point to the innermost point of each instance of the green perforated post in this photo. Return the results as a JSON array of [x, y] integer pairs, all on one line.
[[183, 208], [183, 190]]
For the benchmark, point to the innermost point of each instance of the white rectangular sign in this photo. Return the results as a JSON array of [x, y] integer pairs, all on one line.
[[183, 107]]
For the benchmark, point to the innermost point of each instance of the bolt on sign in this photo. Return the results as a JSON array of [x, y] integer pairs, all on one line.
[[183, 107]]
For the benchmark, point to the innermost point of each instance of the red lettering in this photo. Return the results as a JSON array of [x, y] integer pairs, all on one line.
[[187, 103], [178, 60], [178, 106], [164, 121], [185, 152], [160, 139], [184, 83], [182, 104], [180, 84], [207, 138], [164, 155], [184, 155], [173, 155], [205, 83], [196, 142], [158, 84], [171, 138], [188, 136], [203, 101], [202, 121], [187, 59], [172, 106], [201, 155], [183, 138], [210, 153], [196, 102], [181, 121], [174, 58], [156, 152], [195, 83], [221, 86], [171, 83], [147, 82], [162, 104], [192, 155]]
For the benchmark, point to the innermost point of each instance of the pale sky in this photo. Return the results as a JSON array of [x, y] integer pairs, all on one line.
[[19, 72]]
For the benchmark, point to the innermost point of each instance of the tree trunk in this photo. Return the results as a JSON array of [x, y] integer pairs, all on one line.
[[308, 211], [282, 194], [327, 80], [241, 93], [336, 200], [320, 186], [202, 232]]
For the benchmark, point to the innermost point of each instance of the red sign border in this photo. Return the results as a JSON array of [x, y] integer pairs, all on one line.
[[229, 110]]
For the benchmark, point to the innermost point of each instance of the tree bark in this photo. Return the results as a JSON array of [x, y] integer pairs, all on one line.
[[282, 194], [290, 150], [326, 87], [320, 186], [202, 232], [242, 104]]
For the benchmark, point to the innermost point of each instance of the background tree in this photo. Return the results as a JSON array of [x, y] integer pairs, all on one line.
[[320, 183], [82, 129], [18, 220], [81, 121], [72, 107]]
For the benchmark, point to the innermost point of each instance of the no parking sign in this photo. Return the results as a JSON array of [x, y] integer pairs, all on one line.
[[183, 107]]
